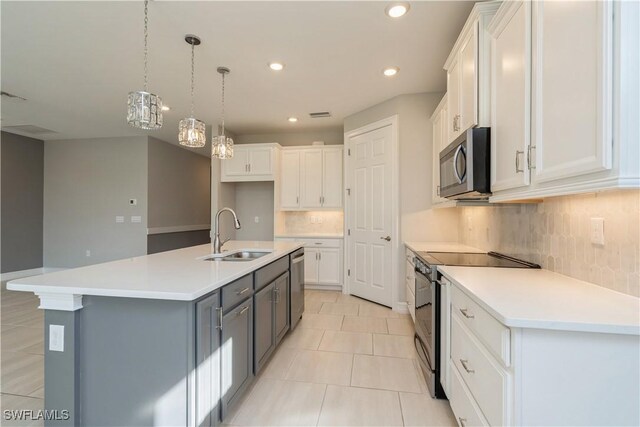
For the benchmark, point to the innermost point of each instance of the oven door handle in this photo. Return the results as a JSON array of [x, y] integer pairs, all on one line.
[[420, 347]]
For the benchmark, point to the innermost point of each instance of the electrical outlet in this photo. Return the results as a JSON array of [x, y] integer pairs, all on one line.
[[56, 337], [136, 219], [87, 253], [320, 219], [257, 219], [469, 223], [597, 231]]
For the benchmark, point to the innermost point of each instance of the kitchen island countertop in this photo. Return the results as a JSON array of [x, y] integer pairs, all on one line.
[[179, 275]]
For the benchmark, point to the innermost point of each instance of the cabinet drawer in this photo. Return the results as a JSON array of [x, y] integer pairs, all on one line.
[[271, 272], [486, 379], [321, 243], [464, 407], [237, 291], [492, 333]]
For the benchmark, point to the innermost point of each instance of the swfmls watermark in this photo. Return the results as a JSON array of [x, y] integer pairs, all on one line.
[[36, 415]]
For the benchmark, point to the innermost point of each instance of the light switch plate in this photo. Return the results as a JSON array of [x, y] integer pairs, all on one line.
[[597, 231], [136, 219], [56, 337], [119, 219]]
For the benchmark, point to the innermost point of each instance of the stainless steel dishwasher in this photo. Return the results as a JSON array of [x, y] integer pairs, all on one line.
[[297, 286]]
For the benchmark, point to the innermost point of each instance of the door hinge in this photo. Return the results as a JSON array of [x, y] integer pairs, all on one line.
[[348, 232], [530, 157], [349, 272], [348, 151], [348, 191]]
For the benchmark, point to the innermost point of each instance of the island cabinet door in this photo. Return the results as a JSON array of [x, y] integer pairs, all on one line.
[[208, 360], [281, 294], [264, 338], [236, 353]]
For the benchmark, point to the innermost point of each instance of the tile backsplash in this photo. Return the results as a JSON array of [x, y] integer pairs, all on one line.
[[556, 235], [312, 222]]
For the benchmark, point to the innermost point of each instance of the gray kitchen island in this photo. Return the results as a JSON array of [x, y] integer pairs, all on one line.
[[173, 338]]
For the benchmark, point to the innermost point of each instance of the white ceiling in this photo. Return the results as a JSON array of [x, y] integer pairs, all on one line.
[[75, 62]]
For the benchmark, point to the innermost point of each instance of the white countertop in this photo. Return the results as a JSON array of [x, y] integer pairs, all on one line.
[[310, 236], [441, 247], [174, 275], [541, 299]]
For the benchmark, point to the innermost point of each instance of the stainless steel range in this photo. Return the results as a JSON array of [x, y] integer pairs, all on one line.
[[428, 308]]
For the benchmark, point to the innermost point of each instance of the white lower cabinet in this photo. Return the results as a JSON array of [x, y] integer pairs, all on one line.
[[410, 283], [499, 375], [323, 261]]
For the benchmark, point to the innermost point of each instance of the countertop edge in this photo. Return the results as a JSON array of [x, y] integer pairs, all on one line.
[[546, 324]]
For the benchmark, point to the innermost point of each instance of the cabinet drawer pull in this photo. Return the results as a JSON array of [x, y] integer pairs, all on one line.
[[465, 313], [242, 291], [462, 421], [466, 367], [219, 325], [243, 311], [518, 168]]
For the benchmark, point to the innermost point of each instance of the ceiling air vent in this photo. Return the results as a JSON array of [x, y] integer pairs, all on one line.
[[31, 129], [320, 115]]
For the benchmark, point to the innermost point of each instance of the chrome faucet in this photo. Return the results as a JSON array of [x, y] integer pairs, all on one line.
[[217, 245]]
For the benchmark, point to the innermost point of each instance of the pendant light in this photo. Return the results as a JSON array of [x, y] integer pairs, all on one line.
[[144, 109], [221, 145], [191, 131]]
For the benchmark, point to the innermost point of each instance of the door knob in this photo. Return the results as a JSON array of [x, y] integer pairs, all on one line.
[[388, 238]]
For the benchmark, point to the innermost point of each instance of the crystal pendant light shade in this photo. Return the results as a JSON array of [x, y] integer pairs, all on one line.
[[144, 109], [191, 133], [221, 145]]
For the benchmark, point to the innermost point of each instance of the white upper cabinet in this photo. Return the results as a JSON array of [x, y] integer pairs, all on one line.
[[290, 180], [467, 67], [572, 88], [311, 178], [564, 115], [438, 122], [250, 162], [511, 95]]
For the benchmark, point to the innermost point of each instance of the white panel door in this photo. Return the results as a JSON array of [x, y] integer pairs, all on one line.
[[238, 164], [329, 270], [511, 98], [370, 169], [572, 44], [290, 180], [260, 161], [453, 102], [311, 266], [332, 178], [311, 179], [468, 59]]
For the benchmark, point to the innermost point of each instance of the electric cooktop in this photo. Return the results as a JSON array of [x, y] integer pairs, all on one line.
[[490, 259]]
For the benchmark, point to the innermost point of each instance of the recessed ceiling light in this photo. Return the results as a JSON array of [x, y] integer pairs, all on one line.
[[390, 71], [166, 108], [276, 66], [397, 10], [293, 119]]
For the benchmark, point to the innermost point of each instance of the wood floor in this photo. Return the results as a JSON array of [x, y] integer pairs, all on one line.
[[21, 354], [348, 363]]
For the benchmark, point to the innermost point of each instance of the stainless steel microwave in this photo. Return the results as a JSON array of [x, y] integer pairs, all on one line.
[[465, 166]]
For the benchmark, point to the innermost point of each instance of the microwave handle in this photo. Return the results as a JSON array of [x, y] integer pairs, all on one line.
[[455, 164]]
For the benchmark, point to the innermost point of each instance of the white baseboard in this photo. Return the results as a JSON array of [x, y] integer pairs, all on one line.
[[401, 307], [323, 287]]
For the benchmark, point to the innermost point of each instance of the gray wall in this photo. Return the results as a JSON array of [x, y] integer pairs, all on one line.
[[87, 184], [254, 199], [329, 136], [179, 186], [22, 166]]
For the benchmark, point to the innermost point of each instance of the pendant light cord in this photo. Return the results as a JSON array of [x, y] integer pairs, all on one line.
[[193, 45], [146, 35], [223, 103]]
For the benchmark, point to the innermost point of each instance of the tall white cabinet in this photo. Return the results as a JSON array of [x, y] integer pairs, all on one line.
[[439, 124]]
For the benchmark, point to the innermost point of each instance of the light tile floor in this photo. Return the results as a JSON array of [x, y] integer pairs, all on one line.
[[348, 363], [21, 354]]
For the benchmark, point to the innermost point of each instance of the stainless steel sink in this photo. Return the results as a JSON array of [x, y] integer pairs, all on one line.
[[239, 256]]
